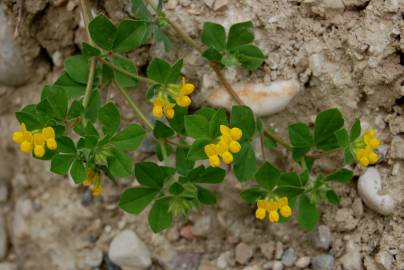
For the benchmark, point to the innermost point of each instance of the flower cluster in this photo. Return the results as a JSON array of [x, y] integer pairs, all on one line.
[[226, 146], [272, 206], [93, 179], [364, 148], [35, 141], [180, 93]]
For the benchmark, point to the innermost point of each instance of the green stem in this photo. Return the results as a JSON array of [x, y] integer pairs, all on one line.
[[127, 73], [90, 83], [133, 105], [163, 150]]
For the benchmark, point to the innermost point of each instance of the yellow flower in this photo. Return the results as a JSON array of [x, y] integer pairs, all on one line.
[[169, 110], [214, 161], [26, 147], [157, 111], [183, 101], [227, 157], [51, 144], [272, 205], [364, 148], [222, 147], [48, 133], [236, 133], [18, 137], [210, 150], [286, 211], [224, 130], [260, 213], [90, 177], [97, 191], [274, 216], [186, 88], [234, 147], [39, 151], [283, 201]]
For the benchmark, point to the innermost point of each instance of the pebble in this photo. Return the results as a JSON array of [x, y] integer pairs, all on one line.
[[202, 226], [219, 4], [185, 261], [289, 257], [302, 262], [351, 260], [94, 258], [322, 237], [345, 220], [370, 191], [263, 99], [277, 265], [243, 253], [128, 250], [209, 3], [268, 249], [3, 238], [397, 148], [223, 259], [384, 260], [278, 250], [357, 207], [322, 262], [109, 264]]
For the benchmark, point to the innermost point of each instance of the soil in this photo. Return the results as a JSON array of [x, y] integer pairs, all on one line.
[[347, 54]]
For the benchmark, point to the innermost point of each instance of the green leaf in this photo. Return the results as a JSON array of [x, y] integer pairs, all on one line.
[[160, 36], [89, 51], [91, 112], [212, 55], [177, 123], [76, 109], [252, 195], [128, 65], [270, 143], [214, 36], [196, 126], [219, 118], [210, 176], [326, 124], [245, 163], [66, 145], [110, 118], [102, 32], [229, 60], [150, 174], [159, 70], [159, 152], [342, 137], [153, 91], [73, 89], [207, 112], [140, 10], [130, 35], [197, 152], [29, 119], [332, 197], [159, 216], [240, 34], [355, 130], [78, 68], [135, 200], [300, 136], [162, 131], [307, 214], [267, 176], [57, 101], [250, 57], [175, 72], [129, 139], [120, 164], [341, 175], [61, 163], [348, 156], [182, 164], [206, 196], [243, 118], [289, 185], [78, 172]]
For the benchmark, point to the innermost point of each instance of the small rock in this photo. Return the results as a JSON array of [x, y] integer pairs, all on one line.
[[322, 237], [185, 261], [357, 208], [206, 265], [94, 258], [268, 249], [263, 99], [370, 191], [277, 265], [345, 220], [186, 232], [322, 262], [252, 267], [202, 226], [172, 234], [243, 253], [397, 148], [127, 250], [3, 238], [384, 260], [57, 59], [302, 262], [219, 4], [7, 266], [351, 260], [209, 3], [223, 260], [289, 257], [109, 264], [278, 250]]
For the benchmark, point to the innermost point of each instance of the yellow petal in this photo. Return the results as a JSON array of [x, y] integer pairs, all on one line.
[[260, 213], [373, 157], [236, 133], [214, 161], [222, 147], [159, 102], [183, 101], [39, 139], [187, 89], [26, 147], [210, 150], [157, 111], [234, 147], [364, 161], [39, 151], [374, 143], [283, 201], [286, 211], [225, 130], [51, 144], [273, 216], [18, 137], [227, 157], [48, 133]]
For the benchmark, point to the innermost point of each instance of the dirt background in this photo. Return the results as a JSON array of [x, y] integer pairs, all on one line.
[[347, 54]]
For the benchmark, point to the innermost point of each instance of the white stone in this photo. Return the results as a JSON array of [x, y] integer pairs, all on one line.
[[302, 262], [127, 250], [94, 258], [277, 265], [351, 260], [263, 99], [384, 259], [370, 191]]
